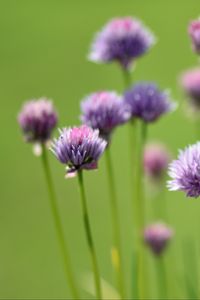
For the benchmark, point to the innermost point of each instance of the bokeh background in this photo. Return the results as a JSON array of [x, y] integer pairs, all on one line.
[[43, 50]]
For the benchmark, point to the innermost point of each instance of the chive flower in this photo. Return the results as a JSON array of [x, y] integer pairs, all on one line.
[[148, 102], [185, 171], [104, 111], [194, 33], [78, 148], [157, 237], [37, 120], [122, 40], [156, 159], [190, 82]]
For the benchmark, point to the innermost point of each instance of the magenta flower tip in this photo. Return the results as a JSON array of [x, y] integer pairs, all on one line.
[[194, 32], [157, 236], [122, 40], [37, 119], [104, 111], [185, 171], [79, 148], [148, 102], [156, 159]]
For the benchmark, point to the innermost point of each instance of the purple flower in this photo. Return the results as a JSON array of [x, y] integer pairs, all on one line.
[[156, 159], [122, 40], [104, 111], [190, 82], [194, 32], [185, 171], [37, 119], [78, 148], [147, 102], [157, 237]]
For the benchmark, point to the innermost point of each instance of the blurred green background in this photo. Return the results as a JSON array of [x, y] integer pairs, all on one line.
[[43, 49]]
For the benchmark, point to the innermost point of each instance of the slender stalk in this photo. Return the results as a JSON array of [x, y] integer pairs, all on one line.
[[139, 212], [89, 237], [115, 224], [161, 278], [58, 226], [127, 78]]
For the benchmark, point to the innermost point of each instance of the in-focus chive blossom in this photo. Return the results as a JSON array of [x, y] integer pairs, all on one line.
[[190, 82], [194, 33], [122, 40], [79, 148], [157, 237], [185, 171], [147, 102], [156, 159], [37, 119], [104, 111]]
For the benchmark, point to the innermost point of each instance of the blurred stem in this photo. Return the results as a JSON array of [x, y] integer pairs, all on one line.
[[89, 237], [161, 278], [127, 78], [139, 215], [117, 252], [58, 225]]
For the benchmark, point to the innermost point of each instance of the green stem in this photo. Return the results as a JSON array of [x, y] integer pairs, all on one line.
[[127, 78], [58, 225], [161, 278], [117, 253], [140, 210], [89, 237]]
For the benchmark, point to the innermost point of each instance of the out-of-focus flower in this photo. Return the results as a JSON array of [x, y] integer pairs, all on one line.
[[156, 159], [157, 236], [37, 119], [122, 40], [78, 148], [194, 32], [104, 111], [148, 102], [185, 171], [190, 82]]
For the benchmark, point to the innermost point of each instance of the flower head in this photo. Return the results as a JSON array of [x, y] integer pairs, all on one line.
[[156, 159], [78, 148], [157, 237], [190, 82], [147, 102], [104, 111], [122, 40], [185, 171], [194, 32], [37, 119]]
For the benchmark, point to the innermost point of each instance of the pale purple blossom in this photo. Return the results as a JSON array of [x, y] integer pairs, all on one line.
[[37, 119], [190, 81], [78, 148], [148, 102], [104, 111], [156, 159], [185, 171], [194, 32], [122, 40], [157, 237]]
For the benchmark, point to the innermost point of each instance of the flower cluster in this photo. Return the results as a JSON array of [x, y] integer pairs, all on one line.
[[122, 40], [78, 148], [104, 111], [190, 82], [156, 159], [37, 119], [147, 102], [157, 236], [194, 32], [185, 171]]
